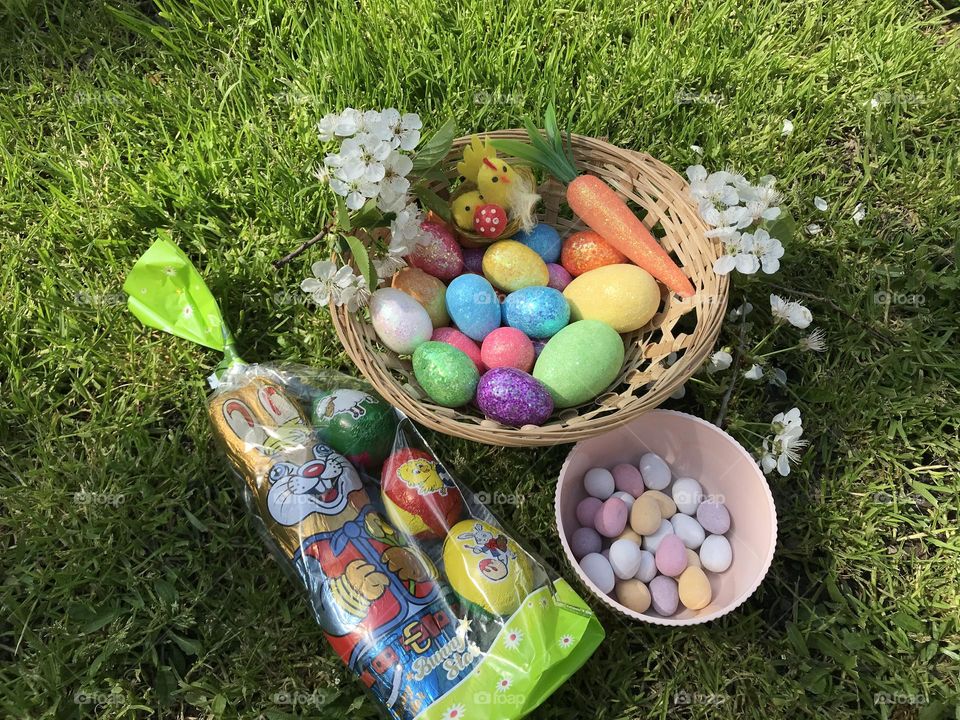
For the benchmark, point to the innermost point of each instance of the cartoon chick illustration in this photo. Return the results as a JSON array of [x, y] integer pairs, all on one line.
[[464, 207], [422, 474]]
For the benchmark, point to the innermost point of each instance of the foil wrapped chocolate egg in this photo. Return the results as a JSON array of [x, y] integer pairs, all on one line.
[[513, 397]]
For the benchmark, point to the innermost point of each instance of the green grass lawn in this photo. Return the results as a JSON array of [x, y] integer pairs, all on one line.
[[133, 583]]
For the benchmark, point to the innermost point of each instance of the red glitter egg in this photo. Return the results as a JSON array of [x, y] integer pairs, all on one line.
[[437, 252]]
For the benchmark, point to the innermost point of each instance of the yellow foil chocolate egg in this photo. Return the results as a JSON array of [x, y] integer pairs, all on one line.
[[511, 266], [486, 567], [625, 297]]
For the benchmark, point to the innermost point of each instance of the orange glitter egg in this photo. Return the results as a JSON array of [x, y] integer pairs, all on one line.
[[586, 250]]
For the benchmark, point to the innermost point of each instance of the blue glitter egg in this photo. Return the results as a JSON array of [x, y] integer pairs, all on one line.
[[540, 312], [543, 240], [473, 306]]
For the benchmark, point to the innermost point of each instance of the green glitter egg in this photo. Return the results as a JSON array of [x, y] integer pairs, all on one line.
[[357, 424], [445, 373]]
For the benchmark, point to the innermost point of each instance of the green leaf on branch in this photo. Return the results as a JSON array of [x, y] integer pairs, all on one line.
[[368, 216], [343, 214], [784, 228], [435, 148], [432, 201], [362, 259]]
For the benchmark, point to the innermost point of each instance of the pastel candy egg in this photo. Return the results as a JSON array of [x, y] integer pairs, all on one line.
[[437, 252], [671, 556], [538, 312], [714, 517], [586, 250], [446, 374], [687, 494], [625, 558], [473, 260], [606, 554], [716, 553], [623, 296], [668, 507], [688, 530], [647, 570], [656, 473], [612, 518], [627, 478], [511, 266], [596, 567], [664, 595], [629, 534], [513, 397], [401, 323], [507, 347], [580, 362], [543, 240], [645, 515], [587, 510], [426, 290], [625, 497], [633, 594], [558, 276], [652, 541], [584, 541], [694, 589], [693, 560], [473, 306], [452, 336], [599, 483]]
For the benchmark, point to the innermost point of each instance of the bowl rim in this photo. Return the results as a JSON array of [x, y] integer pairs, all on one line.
[[656, 619]]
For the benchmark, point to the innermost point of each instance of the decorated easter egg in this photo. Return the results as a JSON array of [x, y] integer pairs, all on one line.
[[437, 252], [586, 250], [543, 240], [648, 567], [538, 312], [510, 266], [446, 374], [357, 424], [664, 595], [716, 553], [688, 530], [486, 567], [623, 296], [557, 277], [634, 595], [625, 558], [627, 478], [426, 290], [473, 306], [652, 541], [580, 362], [667, 506], [656, 473], [418, 495], [513, 397], [401, 323], [464, 206], [625, 497], [507, 347], [596, 567], [694, 588], [473, 260], [490, 220], [452, 336]]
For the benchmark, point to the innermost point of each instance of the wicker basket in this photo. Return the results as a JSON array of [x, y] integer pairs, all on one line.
[[688, 327]]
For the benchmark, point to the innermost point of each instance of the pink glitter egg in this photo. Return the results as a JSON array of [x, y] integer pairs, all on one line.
[[437, 252], [452, 336], [559, 277], [507, 347]]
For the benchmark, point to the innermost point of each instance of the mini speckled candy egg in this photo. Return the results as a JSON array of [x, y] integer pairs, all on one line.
[[587, 510], [687, 494], [668, 508], [513, 397], [714, 517], [627, 478], [473, 306], [656, 473], [452, 336], [586, 250], [625, 497], [543, 240], [693, 560], [473, 260], [625, 558], [716, 553], [507, 347], [559, 278], [629, 534], [612, 518], [633, 594], [426, 290], [446, 374], [645, 515], [688, 530], [652, 541], [599, 483], [437, 252], [596, 567], [694, 589], [401, 323], [511, 266], [648, 567], [671, 556], [664, 595], [538, 312], [584, 541]]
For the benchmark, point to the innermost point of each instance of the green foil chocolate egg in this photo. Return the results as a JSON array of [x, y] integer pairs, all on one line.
[[359, 425]]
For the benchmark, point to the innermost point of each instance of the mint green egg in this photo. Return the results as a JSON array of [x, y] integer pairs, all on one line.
[[580, 362]]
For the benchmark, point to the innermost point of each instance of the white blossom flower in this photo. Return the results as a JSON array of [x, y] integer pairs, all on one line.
[[787, 128], [734, 217], [790, 311], [778, 377], [816, 341], [767, 250], [754, 373], [820, 204], [362, 157], [355, 191], [349, 123], [719, 361], [328, 281], [761, 201], [327, 127], [745, 309], [355, 295], [400, 131], [388, 264], [783, 447], [396, 168], [813, 229], [737, 255], [405, 230], [713, 189], [697, 149], [859, 213]]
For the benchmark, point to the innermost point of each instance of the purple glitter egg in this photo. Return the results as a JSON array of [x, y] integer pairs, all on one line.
[[559, 277], [473, 260], [513, 397]]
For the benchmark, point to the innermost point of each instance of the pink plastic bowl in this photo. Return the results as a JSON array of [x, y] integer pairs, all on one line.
[[693, 448]]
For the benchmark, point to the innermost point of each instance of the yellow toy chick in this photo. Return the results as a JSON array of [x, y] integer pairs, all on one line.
[[463, 208], [497, 181], [473, 156]]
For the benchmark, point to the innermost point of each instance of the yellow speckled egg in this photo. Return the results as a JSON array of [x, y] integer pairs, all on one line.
[[511, 266], [426, 290], [694, 588], [625, 297], [486, 567]]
